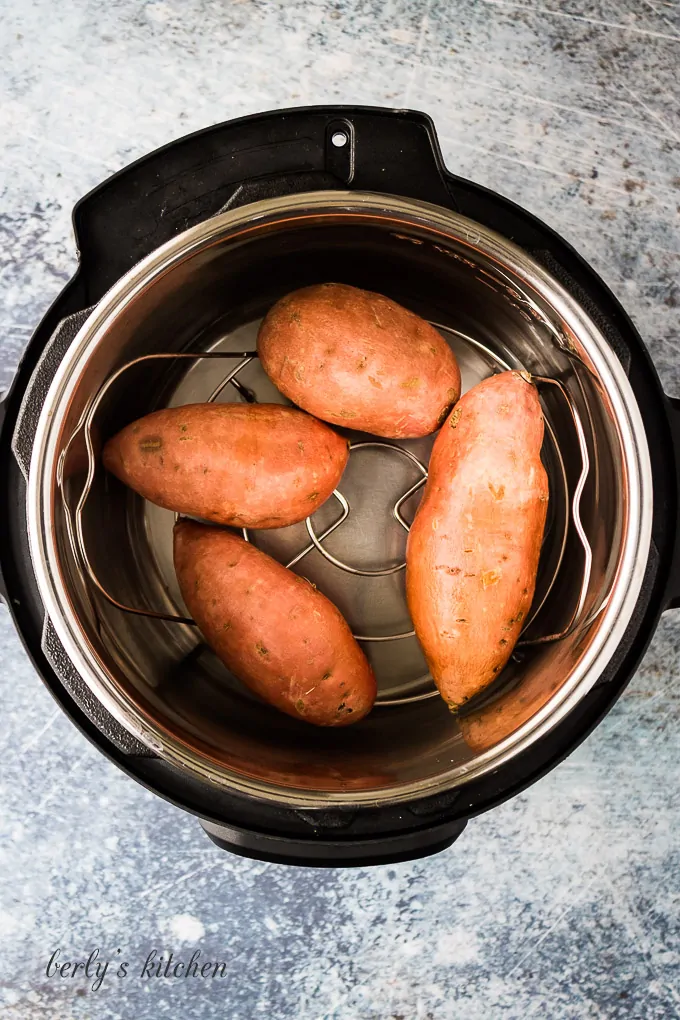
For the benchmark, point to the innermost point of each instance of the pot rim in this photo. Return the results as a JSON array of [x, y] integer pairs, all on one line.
[[245, 221]]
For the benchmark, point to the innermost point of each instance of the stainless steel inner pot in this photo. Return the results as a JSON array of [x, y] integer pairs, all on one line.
[[207, 290]]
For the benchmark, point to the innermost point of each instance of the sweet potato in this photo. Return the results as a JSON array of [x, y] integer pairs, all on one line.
[[273, 629], [472, 552], [247, 465], [358, 359]]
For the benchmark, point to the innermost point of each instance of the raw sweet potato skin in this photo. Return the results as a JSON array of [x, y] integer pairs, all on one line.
[[246, 465], [274, 630], [473, 549], [355, 358]]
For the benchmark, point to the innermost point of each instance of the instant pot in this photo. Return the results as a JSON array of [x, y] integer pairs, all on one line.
[[180, 256]]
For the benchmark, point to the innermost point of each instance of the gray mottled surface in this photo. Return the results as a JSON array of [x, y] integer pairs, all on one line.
[[563, 903]]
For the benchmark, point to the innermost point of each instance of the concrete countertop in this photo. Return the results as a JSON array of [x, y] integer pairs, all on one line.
[[565, 902]]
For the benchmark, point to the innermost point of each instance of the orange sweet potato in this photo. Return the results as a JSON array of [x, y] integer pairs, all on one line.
[[358, 359], [273, 629], [247, 465], [473, 550]]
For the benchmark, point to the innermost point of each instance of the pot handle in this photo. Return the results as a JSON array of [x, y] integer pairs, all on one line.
[[672, 600], [38, 385], [247, 160]]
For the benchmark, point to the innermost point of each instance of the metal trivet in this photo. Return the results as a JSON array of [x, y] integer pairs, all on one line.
[[74, 518]]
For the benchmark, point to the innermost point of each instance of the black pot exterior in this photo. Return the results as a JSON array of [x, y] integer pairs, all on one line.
[[265, 156]]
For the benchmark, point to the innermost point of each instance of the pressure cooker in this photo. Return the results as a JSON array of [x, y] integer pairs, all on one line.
[[181, 255]]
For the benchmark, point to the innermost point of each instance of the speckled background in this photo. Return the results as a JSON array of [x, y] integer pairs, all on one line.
[[563, 903]]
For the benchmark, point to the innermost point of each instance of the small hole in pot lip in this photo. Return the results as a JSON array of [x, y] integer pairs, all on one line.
[[339, 139]]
